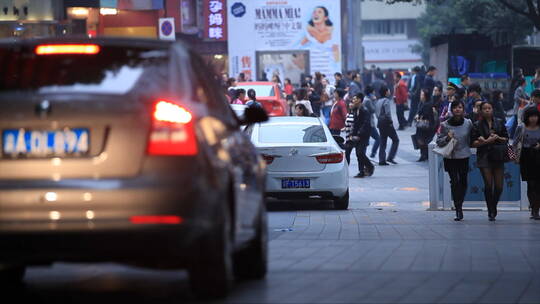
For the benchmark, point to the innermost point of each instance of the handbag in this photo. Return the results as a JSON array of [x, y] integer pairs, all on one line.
[[518, 146], [447, 150], [423, 124], [383, 120]]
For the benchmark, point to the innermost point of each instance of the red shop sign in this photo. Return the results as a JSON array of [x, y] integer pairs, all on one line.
[[215, 20]]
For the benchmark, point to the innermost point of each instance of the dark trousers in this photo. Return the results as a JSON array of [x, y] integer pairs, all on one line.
[[414, 109], [363, 160], [493, 187], [533, 193], [388, 131], [335, 132], [400, 111], [377, 139], [458, 170]]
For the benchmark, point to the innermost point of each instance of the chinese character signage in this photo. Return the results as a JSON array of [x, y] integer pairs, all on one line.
[[215, 20], [272, 37]]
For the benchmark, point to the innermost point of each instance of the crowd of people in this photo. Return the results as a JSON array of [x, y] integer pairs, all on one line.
[[459, 117]]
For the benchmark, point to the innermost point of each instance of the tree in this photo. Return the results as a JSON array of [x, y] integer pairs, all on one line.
[[527, 8]]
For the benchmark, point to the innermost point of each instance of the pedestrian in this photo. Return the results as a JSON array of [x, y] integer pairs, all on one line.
[[457, 164], [528, 139], [521, 99], [425, 124], [369, 103], [239, 96], [300, 95], [355, 86], [358, 137], [535, 101], [415, 87], [338, 113], [464, 82], [490, 137], [231, 87], [277, 80], [401, 96], [316, 93], [301, 110], [476, 114], [474, 94], [535, 82], [339, 81], [327, 99], [429, 80], [496, 101], [252, 96], [386, 128], [444, 109], [242, 77], [288, 88]]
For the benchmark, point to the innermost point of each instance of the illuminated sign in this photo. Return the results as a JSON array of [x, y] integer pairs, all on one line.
[[215, 20]]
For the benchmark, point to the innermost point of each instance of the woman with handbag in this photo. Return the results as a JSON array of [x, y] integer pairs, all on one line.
[[456, 134], [527, 147], [425, 124], [490, 137]]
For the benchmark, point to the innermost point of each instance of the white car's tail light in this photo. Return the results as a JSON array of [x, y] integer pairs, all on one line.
[[268, 158], [331, 158], [173, 131]]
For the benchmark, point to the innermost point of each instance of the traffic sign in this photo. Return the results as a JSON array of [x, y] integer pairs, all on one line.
[[166, 29]]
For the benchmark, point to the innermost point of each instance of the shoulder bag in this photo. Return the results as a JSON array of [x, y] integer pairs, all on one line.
[[447, 150]]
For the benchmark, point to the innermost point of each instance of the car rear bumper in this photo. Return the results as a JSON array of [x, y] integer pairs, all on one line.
[[331, 183]]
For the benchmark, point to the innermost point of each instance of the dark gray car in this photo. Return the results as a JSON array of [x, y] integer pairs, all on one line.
[[125, 151]]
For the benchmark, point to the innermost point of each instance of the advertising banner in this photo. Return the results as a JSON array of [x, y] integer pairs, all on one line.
[[269, 38], [215, 20]]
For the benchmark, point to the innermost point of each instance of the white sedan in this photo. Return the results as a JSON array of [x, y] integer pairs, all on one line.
[[303, 160]]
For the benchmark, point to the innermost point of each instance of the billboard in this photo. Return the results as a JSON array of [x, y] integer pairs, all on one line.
[[281, 33]]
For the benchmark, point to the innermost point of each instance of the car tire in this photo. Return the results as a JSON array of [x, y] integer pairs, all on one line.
[[251, 263], [342, 203], [211, 275], [11, 275]]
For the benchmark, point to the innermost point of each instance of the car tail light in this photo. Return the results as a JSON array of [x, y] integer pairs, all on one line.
[[332, 158], [156, 219], [60, 49], [268, 158], [173, 131]]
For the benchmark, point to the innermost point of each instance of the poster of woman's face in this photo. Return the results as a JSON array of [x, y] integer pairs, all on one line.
[[320, 27]]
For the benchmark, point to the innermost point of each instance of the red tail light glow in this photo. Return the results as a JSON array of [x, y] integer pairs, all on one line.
[[156, 219], [59, 49], [173, 131], [333, 158], [268, 158]]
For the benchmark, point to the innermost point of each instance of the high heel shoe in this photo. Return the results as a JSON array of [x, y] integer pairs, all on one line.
[[459, 215], [491, 216]]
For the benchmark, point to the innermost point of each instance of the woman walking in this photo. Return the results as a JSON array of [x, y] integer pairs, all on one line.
[[490, 137], [425, 126], [528, 137], [338, 113], [457, 164]]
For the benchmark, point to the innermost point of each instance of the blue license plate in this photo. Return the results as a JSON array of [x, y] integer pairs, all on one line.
[[45, 143], [291, 183]]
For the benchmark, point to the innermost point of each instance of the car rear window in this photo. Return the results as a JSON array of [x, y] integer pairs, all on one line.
[[291, 133], [260, 90], [114, 70]]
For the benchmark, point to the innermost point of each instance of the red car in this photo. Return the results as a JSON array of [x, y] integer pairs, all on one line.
[[269, 95]]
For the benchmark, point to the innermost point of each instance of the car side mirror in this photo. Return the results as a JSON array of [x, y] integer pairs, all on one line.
[[254, 114]]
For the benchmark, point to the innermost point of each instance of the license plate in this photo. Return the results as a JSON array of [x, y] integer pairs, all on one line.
[[290, 183], [45, 143]]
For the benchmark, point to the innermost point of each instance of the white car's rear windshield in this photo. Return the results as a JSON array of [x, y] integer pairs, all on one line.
[[291, 133]]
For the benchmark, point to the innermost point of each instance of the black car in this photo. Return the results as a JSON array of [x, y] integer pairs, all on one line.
[[123, 150]]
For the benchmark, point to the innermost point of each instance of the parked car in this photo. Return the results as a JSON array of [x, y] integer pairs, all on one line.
[[303, 160], [122, 150], [269, 95]]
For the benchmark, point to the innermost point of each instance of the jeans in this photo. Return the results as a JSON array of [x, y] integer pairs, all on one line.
[[377, 138], [388, 131], [400, 111], [335, 132], [458, 170], [414, 109], [363, 160], [326, 113]]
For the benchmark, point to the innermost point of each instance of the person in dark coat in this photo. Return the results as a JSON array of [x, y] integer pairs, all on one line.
[[415, 86], [425, 135], [490, 137], [496, 101], [429, 80], [361, 131]]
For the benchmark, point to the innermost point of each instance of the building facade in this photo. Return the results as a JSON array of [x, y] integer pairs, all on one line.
[[389, 34]]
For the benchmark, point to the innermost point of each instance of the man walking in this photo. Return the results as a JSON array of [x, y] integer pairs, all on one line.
[[386, 128], [429, 81], [414, 91], [355, 87], [401, 95]]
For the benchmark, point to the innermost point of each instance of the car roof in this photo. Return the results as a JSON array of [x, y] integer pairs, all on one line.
[[293, 119], [103, 41]]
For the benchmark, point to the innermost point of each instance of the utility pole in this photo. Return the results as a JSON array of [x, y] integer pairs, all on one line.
[[352, 24]]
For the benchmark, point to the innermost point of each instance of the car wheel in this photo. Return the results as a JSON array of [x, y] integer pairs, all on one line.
[[211, 275], [342, 203], [11, 275], [252, 262]]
